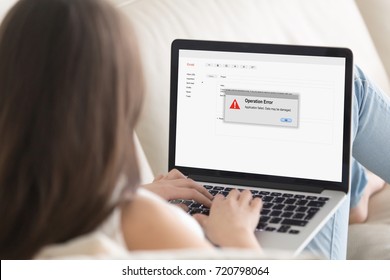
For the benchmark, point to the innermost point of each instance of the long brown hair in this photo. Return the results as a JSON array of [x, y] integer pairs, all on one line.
[[70, 94]]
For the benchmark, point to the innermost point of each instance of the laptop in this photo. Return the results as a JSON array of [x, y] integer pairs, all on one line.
[[274, 119]]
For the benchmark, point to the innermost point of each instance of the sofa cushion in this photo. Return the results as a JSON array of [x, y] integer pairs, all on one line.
[[376, 16], [5, 5], [371, 240]]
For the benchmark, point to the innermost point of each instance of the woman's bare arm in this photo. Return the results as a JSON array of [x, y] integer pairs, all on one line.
[[150, 224]]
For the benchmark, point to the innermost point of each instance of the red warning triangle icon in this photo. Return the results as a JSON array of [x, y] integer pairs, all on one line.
[[235, 105]]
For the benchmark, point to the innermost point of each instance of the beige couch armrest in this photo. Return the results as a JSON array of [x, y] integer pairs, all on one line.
[[376, 16]]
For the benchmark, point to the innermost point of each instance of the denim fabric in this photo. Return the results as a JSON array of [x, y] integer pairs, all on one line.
[[370, 135]]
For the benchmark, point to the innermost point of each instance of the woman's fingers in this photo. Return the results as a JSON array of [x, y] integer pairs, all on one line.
[[192, 194], [182, 206], [234, 194], [232, 219], [245, 197], [175, 174], [192, 184], [256, 204], [175, 185]]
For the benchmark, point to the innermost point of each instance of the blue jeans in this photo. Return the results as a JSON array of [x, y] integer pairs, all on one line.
[[370, 135]]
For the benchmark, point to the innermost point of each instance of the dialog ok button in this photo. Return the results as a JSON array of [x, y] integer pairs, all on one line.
[[286, 120]]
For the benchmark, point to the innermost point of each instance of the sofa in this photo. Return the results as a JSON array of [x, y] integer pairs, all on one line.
[[360, 25]]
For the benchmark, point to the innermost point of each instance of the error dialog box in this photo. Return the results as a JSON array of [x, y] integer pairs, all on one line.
[[261, 107]]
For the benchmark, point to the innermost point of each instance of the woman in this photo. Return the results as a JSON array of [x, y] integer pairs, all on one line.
[[70, 95]]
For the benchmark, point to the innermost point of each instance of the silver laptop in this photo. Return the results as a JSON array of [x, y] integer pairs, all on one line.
[[274, 119]]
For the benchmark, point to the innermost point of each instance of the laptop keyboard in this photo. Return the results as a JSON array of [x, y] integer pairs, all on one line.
[[280, 211]]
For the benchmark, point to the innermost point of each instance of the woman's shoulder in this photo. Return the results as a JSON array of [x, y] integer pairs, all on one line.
[[148, 216]]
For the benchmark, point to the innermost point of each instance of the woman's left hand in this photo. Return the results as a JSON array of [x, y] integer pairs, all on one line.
[[175, 185]]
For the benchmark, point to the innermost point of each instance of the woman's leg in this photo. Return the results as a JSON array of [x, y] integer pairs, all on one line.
[[370, 134], [371, 126], [360, 195], [331, 241], [358, 182]]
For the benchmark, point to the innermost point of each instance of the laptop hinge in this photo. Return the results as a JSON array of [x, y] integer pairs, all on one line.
[[256, 183]]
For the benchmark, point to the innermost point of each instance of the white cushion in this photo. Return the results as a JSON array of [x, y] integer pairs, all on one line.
[[369, 242], [5, 5], [376, 16]]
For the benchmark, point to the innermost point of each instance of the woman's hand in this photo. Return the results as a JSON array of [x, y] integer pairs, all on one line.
[[175, 185], [232, 220]]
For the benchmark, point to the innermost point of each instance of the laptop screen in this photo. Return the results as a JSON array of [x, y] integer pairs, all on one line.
[[261, 113]]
